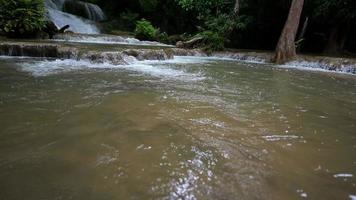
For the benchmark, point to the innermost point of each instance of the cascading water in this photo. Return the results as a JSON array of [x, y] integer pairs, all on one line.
[[60, 18], [94, 12], [84, 9], [80, 16]]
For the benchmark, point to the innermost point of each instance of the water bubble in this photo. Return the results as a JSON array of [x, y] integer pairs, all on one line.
[[343, 175], [302, 193]]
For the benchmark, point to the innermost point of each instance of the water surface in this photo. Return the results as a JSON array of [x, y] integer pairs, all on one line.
[[189, 128]]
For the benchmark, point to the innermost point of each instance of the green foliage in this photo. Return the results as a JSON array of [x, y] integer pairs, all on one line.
[[223, 24], [335, 10], [212, 41], [258, 24], [128, 18], [217, 19], [205, 7], [148, 5], [163, 37], [21, 18], [186, 4], [145, 31], [125, 22]]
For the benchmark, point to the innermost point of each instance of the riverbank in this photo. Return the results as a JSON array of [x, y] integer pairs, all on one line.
[[119, 50], [337, 64]]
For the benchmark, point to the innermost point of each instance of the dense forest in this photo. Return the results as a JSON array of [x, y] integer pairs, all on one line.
[[326, 26]]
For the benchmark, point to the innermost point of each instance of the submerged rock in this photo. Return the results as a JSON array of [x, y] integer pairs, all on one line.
[[192, 43], [127, 55], [37, 50], [130, 55], [150, 54], [245, 55], [51, 29], [63, 29], [347, 65], [115, 58], [187, 52]]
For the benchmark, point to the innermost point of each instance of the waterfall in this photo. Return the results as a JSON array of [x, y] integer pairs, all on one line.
[[60, 18], [84, 9], [80, 16], [94, 12], [54, 4]]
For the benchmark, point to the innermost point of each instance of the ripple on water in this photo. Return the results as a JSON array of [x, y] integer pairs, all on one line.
[[190, 178], [272, 138], [239, 162], [109, 157], [209, 122], [198, 171]]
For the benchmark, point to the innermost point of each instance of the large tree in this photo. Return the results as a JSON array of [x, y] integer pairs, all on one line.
[[285, 49]]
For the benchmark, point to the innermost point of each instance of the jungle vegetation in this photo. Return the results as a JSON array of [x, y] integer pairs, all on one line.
[[287, 26]]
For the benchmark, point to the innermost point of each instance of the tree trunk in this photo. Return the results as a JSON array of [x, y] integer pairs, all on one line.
[[234, 17], [304, 29], [337, 39], [301, 34], [285, 49], [237, 8]]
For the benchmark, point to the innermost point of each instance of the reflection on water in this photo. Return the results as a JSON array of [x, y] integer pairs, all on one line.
[[182, 129]]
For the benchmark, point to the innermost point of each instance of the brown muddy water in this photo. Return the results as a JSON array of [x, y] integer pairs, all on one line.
[[190, 128]]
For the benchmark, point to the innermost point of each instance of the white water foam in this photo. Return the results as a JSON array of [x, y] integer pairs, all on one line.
[[343, 175], [242, 58], [60, 19], [181, 60], [49, 67], [300, 65], [316, 66], [273, 138], [209, 122], [302, 193], [297, 64], [190, 60], [106, 39], [76, 24], [198, 168]]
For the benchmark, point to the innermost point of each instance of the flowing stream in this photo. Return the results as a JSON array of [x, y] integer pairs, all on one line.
[[187, 128], [76, 23]]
